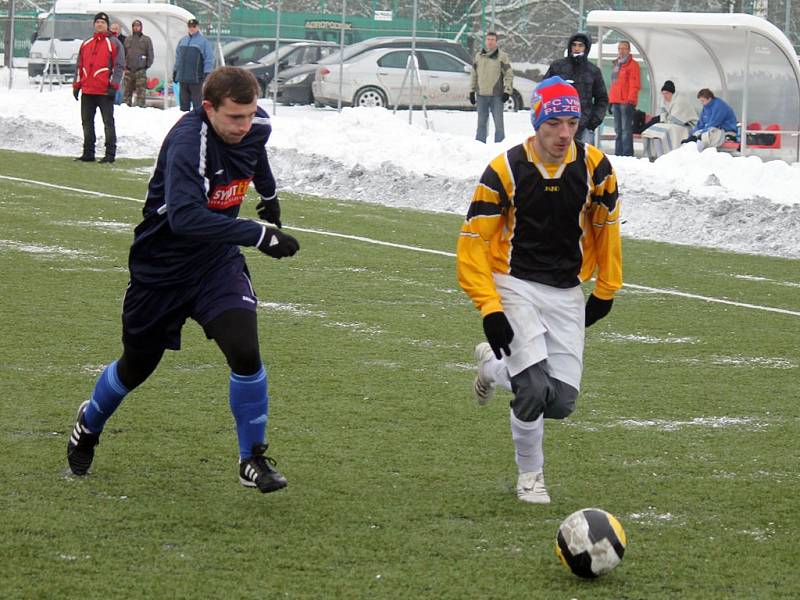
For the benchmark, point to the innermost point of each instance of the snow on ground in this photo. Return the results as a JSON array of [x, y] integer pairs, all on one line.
[[707, 199]]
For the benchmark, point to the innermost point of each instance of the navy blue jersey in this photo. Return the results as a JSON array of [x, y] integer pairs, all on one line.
[[190, 221]]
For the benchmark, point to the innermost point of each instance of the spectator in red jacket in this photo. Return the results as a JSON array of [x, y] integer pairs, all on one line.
[[101, 62], [623, 97]]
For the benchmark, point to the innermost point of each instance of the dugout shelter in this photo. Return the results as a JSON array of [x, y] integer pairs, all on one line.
[[745, 60]]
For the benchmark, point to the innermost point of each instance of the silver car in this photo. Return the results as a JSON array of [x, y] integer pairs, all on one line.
[[381, 77]]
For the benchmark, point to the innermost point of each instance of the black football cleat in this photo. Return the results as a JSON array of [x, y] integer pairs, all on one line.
[[80, 448], [257, 471], [106, 159], [84, 158]]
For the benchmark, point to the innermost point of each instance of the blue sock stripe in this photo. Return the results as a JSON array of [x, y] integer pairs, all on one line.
[[106, 397], [113, 380]]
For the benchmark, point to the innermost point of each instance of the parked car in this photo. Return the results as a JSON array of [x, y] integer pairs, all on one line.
[[381, 78], [249, 50], [287, 56], [294, 85]]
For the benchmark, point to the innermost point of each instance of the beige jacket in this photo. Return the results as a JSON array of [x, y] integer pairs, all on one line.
[[492, 74]]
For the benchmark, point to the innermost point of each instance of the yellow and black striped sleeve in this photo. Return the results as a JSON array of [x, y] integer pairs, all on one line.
[[602, 244], [486, 220]]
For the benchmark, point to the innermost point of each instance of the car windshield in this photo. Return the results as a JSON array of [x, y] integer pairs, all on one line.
[[67, 27], [269, 59], [233, 45], [349, 52]]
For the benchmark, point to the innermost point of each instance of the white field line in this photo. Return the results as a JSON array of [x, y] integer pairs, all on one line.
[[367, 240]]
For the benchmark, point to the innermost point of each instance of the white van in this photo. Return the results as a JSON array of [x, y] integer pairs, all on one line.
[[56, 43], [62, 31]]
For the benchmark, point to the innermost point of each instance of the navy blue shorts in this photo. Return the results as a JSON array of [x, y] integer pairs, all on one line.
[[152, 318]]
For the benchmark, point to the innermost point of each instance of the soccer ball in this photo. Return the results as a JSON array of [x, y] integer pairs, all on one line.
[[590, 542]]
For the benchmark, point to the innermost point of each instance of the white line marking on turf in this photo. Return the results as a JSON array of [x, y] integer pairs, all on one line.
[[72, 189], [630, 285], [359, 238], [367, 240]]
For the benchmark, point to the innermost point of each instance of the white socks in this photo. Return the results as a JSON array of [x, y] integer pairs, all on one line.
[[528, 438]]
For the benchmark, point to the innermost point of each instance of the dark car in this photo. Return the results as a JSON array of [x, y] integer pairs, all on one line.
[[294, 84], [249, 50], [287, 56]]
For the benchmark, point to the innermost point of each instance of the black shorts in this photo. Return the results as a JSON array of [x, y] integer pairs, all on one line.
[[152, 318]]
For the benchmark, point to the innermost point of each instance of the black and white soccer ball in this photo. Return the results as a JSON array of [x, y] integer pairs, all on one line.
[[590, 542]]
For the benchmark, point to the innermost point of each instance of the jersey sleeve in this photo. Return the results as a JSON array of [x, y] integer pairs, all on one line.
[[263, 179], [485, 220], [602, 256]]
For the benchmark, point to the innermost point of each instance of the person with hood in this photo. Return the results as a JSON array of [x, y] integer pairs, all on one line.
[[491, 86], [194, 60], [676, 116], [138, 58], [587, 78], [717, 121], [98, 73]]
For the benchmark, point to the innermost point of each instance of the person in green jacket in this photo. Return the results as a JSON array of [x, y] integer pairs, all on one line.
[[491, 86]]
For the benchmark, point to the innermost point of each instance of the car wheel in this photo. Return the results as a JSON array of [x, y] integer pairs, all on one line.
[[370, 96], [514, 102]]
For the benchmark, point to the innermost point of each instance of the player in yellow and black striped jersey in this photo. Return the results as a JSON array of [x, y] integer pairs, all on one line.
[[544, 218]]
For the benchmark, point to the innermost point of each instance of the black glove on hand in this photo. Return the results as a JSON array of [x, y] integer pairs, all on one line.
[[278, 244], [472, 98], [75, 92], [505, 97], [110, 91], [596, 309], [498, 333], [269, 209], [174, 76]]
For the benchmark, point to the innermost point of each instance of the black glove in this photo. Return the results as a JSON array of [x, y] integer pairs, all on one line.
[[498, 333], [110, 91], [269, 209], [75, 92], [691, 138], [278, 244], [610, 110], [596, 309], [174, 76], [472, 98], [505, 97]]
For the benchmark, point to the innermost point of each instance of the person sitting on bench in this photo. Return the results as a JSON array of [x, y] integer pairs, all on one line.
[[675, 118], [717, 121]]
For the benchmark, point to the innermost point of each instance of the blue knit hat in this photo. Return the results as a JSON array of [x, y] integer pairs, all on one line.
[[552, 98]]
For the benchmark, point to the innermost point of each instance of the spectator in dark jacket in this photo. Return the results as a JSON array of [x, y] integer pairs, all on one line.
[[138, 58], [116, 30], [587, 79], [101, 61], [194, 60]]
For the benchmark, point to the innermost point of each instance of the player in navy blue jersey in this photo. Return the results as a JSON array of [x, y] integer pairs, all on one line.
[[185, 262]]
